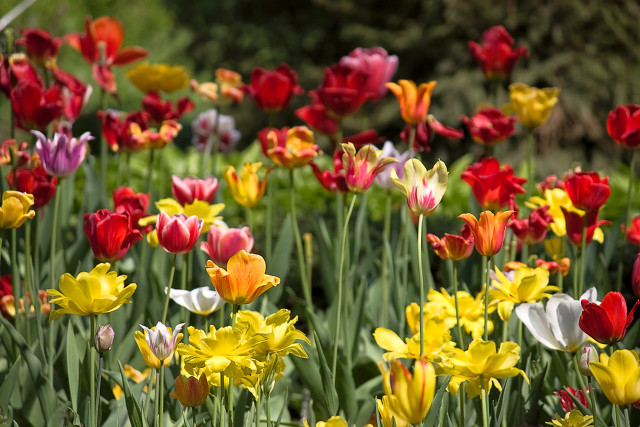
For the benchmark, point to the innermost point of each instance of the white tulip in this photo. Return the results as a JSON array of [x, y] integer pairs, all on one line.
[[203, 301]]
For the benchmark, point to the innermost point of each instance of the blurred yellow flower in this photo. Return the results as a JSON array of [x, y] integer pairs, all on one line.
[[99, 291], [532, 105], [135, 375], [158, 77], [152, 138], [481, 366], [15, 209], [336, 421], [147, 355], [572, 419], [618, 376], [246, 189]]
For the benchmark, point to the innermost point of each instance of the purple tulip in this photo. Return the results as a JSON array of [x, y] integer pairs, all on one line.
[[61, 156], [383, 179]]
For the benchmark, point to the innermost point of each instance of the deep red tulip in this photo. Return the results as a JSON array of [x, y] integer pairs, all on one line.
[[587, 190], [15, 69], [491, 186], [34, 180], [75, 94], [566, 402], [377, 64], [272, 90], [608, 321], [36, 107], [316, 117], [532, 230], [623, 125], [452, 246], [117, 131], [635, 277], [100, 46], [135, 204], [490, 126], [41, 47], [110, 234], [160, 110], [189, 189], [334, 181], [425, 130], [633, 232], [342, 90], [178, 234], [496, 56], [223, 243], [575, 223]]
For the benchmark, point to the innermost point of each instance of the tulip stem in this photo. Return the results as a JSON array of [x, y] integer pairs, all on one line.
[[531, 163], [157, 400], [299, 247], [485, 408], [594, 402], [421, 280], [98, 389], [583, 253], [616, 409], [92, 373], [343, 241], [626, 416], [488, 263], [103, 151], [386, 230], [150, 170], [166, 298], [454, 268], [52, 283], [412, 136], [15, 277], [627, 215]]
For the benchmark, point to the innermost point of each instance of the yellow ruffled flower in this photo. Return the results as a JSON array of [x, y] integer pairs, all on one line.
[[532, 105], [408, 396], [278, 329], [481, 366], [158, 77], [437, 343], [264, 378], [16, 209], [147, 355], [246, 189], [618, 376], [99, 291], [523, 284], [572, 419]]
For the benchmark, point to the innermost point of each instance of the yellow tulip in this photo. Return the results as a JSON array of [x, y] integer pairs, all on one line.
[[279, 330], [618, 376], [158, 77], [99, 291], [409, 396], [532, 105], [15, 209], [572, 419], [246, 189]]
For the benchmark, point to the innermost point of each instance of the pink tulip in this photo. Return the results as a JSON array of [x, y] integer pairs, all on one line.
[[222, 243], [178, 234], [187, 190]]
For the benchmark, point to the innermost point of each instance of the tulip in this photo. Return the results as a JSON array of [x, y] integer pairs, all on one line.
[[488, 232], [35, 106], [187, 190], [575, 222], [623, 125], [452, 246], [178, 234], [618, 376], [566, 402], [192, 391], [588, 355], [99, 291], [343, 91], [161, 341], [230, 84], [423, 189], [316, 116], [490, 126], [334, 181], [492, 187], [160, 110], [100, 46], [158, 77], [587, 190], [272, 90], [362, 167], [411, 395], [135, 204], [104, 338], [557, 326], [209, 123], [34, 180], [150, 359], [62, 155], [151, 138], [423, 132], [496, 56], [383, 179], [41, 47], [633, 231], [10, 309], [377, 64], [111, 234], [608, 321], [243, 280], [573, 418], [532, 105], [117, 131], [202, 301], [246, 189], [414, 101], [16, 209], [289, 147], [223, 243], [532, 230]]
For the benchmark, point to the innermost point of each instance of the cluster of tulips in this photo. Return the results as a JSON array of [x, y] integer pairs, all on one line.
[[462, 340]]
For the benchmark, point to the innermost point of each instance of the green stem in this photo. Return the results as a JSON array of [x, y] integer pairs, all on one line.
[[98, 390], [299, 246], [257, 417], [421, 280], [574, 362], [616, 409], [386, 231], [15, 275], [268, 411], [485, 408], [183, 273], [193, 415], [343, 241], [461, 419], [271, 193], [150, 171], [161, 394], [454, 267], [488, 263], [166, 298], [594, 401], [412, 137], [52, 282], [626, 416], [530, 163], [103, 152], [157, 401], [92, 373]]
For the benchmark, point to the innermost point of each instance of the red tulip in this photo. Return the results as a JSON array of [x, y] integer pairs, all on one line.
[[342, 91], [575, 223], [496, 56], [15, 69], [34, 180], [334, 181], [587, 190], [160, 110], [41, 47], [377, 64], [223, 243], [135, 204], [623, 125], [532, 230], [633, 232], [316, 116], [489, 126], [117, 131], [100, 46], [178, 234], [36, 107], [187, 190], [566, 402], [110, 234], [491, 186], [635, 277], [561, 266], [272, 90], [452, 246], [607, 322]]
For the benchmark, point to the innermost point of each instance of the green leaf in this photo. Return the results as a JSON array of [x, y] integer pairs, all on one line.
[[281, 257], [9, 383], [330, 394], [73, 364], [133, 408], [432, 416], [286, 396]]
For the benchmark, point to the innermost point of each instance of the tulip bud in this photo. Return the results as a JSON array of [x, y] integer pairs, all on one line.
[[635, 277], [104, 338], [589, 354]]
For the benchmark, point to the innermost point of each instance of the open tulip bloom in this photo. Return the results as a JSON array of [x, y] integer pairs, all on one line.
[[161, 341], [203, 301], [608, 321], [423, 189]]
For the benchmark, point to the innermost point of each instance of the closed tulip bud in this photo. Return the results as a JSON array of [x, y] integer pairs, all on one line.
[[589, 354], [104, 338], [191, 392]]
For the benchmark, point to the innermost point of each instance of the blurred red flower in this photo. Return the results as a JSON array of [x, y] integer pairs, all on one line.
[[496, 56], [491, 186]]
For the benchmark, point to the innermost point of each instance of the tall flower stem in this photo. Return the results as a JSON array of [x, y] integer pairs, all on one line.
[[52, 282], [530, 163], [488, 263], [583, 253], [100, 360], [35, 298], [166, 298], [157, 401], [212, 147], [485, 408], [161, 394], [299, 246], [454, 268], [150, 170], [594, 401], [343, 241], [271, 194], [103, 152], [15, 272], [421, 280], [386, 231], [92, 372], [230, 393], [627, 217], [412, 137]]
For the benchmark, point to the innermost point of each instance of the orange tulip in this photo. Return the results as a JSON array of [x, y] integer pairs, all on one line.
[[488, 232], [414, 101], [192, 391], [243, 281]]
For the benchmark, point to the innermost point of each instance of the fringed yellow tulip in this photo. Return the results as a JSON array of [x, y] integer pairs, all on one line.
[[572, 419], [279, 330]]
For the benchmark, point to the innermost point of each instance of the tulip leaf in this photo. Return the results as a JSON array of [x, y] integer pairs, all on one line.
[[330, 394], [133, 408], [432, 416], [9, 383], [286, 396], [73, 364]]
